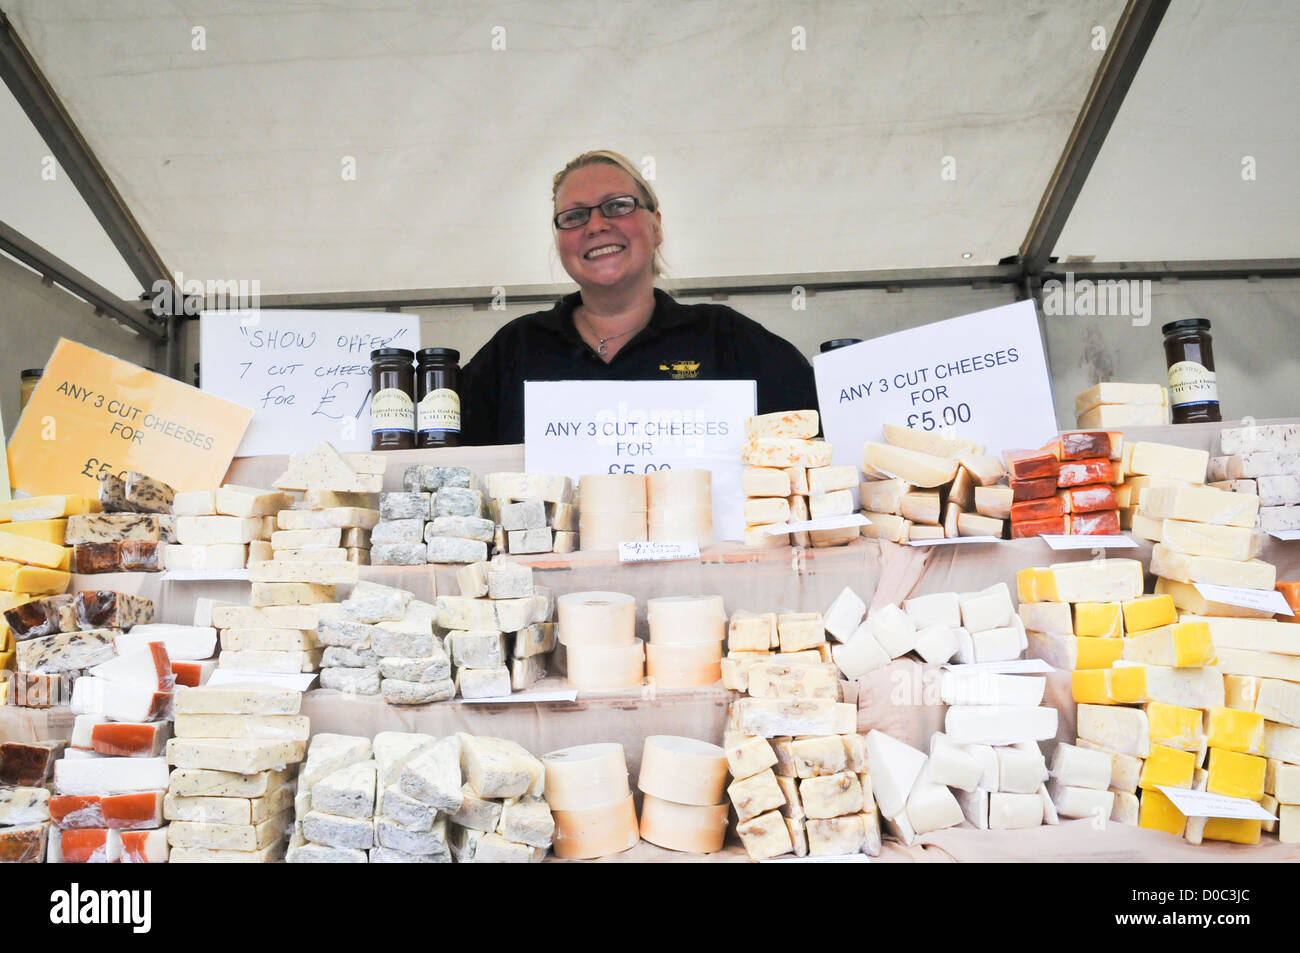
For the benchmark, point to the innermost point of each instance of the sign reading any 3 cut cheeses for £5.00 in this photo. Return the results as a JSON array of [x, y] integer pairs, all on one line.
[[93, 413]]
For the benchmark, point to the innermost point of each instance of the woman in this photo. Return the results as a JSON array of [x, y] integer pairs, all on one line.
[[618, 326]]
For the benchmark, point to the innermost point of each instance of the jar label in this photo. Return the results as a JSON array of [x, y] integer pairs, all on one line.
[[1192, 384], [392, 409], [439, 411]]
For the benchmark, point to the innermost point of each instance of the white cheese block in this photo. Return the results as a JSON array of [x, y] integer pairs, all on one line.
[[1158, 459], [943, 608], [1200, 504], [145, 667], [915, 467], [434, 777], [999, 724], [1081, 767], [238, 700], [1203, 539], [686, 619], [1071, 802], [1112, 392], [844, 615], [184, 643], [321, 573], [990, 608], [895, 766], [1122, 730], [1181, 567], [194, 503], [936, 644], [883, 496], [108, 776], [228, 837], [997, 645], [281, 727], [937, 444], [215, 558], [1262, 664], [1051, 618], [1014, 812], [831, 795], [236, 755], [932, 807], [893, 629], [119, 701], [975, 806], [860, 654], [777, 717], [1189, 599], [953, 764], [1098, 580], [987, 688], [498, 768], [211, 530], [1279, 701], [245, 501], [1020, 771]]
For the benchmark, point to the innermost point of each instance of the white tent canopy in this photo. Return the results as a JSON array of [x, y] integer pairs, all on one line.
[[785, 138]]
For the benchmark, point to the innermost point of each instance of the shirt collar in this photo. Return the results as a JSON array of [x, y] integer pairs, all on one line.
[[668, 313]]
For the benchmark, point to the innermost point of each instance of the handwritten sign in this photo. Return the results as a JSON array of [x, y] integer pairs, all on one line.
[[638, 551], [982, 377], [1204, 804], [304, 374], [92, 413], [577, 427], [1263, 600], [1089, 542]]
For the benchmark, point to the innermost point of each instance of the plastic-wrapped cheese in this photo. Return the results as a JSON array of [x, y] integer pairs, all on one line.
[[684, 666], [686, 619], [596, 831], [596, 618], [695, 828], [586, 776], [605, 668], [683, 770]]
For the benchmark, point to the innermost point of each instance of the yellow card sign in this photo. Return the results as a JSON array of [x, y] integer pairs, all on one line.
[[92, 414]]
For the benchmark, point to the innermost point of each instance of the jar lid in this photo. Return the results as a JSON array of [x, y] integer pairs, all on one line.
[[31, 373], [1187, 324], [838, 343], [437, 353], [391, 353]]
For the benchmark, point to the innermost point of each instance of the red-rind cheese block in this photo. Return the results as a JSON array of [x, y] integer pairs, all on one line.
[[73, 811], [1033, 489], [91, 845], [596, 831], [1055, 526], [1091, 499], [683, 770], [1025, 465], [1027, 510], [128, 740], [144, 847], [1082, 445], [1105, 523], [687, 827], [1084, 472]]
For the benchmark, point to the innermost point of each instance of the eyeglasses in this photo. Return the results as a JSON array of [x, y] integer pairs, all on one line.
[[616, 207]]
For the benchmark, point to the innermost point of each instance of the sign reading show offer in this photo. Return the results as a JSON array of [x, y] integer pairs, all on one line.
[[981, 376], [578, 427]]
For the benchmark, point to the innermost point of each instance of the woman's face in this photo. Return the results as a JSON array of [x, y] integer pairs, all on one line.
[[605, 252]]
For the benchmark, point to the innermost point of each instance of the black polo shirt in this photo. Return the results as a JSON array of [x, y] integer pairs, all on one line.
[[681, 342]]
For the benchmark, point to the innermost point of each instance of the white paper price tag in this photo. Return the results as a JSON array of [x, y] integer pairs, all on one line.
[[646, 552], [1204, 804], [1285, 534], [1019, 666], [953, 541], [580, 427], [1089, 542], [824, 522], [981, 376], [1265, 600], [299, 682], [821, 859], [525, 698]]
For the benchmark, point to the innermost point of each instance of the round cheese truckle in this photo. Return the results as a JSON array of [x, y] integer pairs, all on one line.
[[586, 776], [683, 770], [596, 618], [686, 827], [686, 619], [684, 666], [602, 668]]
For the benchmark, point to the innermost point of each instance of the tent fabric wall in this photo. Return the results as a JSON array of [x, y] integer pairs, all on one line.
[[35, 315]]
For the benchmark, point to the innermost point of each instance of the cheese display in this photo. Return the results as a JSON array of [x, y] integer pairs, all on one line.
[[1264, 461], [779, 453], [217, 530], [1115, 405]]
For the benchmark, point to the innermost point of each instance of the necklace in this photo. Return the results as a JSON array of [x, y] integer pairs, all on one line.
[[601, 349]]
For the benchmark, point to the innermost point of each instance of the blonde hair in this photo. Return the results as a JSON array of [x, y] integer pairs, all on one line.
[[609, 157]]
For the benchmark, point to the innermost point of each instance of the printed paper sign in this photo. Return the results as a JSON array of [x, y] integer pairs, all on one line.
[[577, 427], [1019, 666], [304, 374], [526, 698], [822, 522], [982, 377], [637, 551], [1089, 542], [92, 414], [1265, 600], [953, 540], [1204, 804]]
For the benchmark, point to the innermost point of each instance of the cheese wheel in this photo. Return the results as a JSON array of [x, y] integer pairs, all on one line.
[[683, 770], [681, 524], [679, 488], [612, 492], [596, 831], [678, 620], [605, 529], [586, 776], [684, 666], [688, 827], [596, 618], [606, 668]]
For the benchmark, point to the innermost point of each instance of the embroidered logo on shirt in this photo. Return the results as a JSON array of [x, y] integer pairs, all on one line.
[[682, 370]]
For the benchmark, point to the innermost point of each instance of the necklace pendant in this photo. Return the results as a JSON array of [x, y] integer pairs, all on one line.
[[602, 349]]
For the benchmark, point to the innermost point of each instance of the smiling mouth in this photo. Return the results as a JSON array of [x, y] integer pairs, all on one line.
[[602, 251]]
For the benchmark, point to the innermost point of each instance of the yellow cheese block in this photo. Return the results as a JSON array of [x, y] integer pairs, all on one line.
[[1234, 774], [1099, 619], [9, 599], [1157, 813], [45, 508], [32, 552], [1232, 829], [1235, 730], [1181, 645], [1089, 686], [1149, 612], [1098, 653], [51, 531], [1206, 539], [1176, 727], [1098, 580], [1171, 767], [41, 582], [1036, 585], [8, 572], [917, 468], [6, 637], [7, 660], [1127, 685], [1166, 460]]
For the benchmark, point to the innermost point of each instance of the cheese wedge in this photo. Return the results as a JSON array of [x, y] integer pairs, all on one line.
[[932, 443], [916, 467]]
